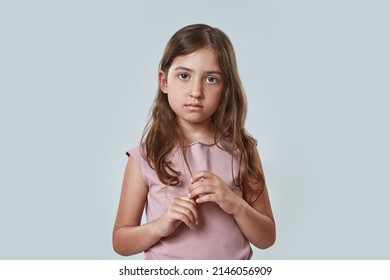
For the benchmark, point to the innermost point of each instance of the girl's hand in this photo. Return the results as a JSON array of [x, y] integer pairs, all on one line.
[[207, 186], [181, 209]]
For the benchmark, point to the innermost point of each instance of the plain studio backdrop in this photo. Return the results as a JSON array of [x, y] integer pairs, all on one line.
[[77, 79]]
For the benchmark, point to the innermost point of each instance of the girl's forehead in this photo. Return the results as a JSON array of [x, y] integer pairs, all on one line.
[[202, 58]]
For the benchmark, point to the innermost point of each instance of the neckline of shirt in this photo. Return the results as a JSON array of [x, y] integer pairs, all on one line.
[[203, 143]]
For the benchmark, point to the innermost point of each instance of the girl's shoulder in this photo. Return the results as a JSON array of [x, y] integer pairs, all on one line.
[[136, 151]]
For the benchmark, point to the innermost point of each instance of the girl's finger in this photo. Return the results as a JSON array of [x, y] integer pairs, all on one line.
[[206, 198], [186, 207], [199, 190], [184, 217], [202, 174], [197, 184]]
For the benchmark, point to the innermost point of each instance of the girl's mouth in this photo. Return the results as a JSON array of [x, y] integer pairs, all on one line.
[[194, 106]]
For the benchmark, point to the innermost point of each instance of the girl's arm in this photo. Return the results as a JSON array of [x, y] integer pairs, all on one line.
[[256, 221], [129, 237]]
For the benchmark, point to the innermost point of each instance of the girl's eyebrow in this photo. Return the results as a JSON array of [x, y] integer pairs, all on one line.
[[181, 68]]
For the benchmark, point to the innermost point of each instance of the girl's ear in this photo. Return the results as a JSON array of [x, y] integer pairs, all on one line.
[[162, 78]]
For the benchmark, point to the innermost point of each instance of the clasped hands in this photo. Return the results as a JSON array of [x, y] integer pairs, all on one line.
[[205, 187]]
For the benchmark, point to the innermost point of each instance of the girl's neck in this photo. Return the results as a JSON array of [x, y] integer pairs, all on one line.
[[210, 139], [201, 134]]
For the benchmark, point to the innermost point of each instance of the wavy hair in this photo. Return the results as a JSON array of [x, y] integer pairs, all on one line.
[[162, 133]]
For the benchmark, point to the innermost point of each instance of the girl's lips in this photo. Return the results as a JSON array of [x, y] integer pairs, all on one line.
[[194, 106]]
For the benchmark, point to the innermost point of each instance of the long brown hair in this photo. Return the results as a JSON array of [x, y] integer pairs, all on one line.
[[162, 133]]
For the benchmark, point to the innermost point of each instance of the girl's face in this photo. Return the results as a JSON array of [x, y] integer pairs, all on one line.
[[194, 87]]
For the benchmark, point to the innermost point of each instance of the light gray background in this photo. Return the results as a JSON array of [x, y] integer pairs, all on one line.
[[77, 79]]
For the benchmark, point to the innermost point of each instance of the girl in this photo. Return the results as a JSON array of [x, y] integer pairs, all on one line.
[[197, 171]]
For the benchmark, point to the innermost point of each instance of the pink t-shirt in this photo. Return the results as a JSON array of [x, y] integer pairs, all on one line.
[[217, 236]]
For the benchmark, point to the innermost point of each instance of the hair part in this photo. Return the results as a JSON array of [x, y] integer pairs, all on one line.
[[162, 133]]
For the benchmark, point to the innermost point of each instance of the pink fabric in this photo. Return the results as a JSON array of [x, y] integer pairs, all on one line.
[[217, 236]]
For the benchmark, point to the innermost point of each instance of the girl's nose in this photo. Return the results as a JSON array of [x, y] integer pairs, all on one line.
[[196, 90]]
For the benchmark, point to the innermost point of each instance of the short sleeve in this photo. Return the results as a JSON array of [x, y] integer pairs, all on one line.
[[135, 153]]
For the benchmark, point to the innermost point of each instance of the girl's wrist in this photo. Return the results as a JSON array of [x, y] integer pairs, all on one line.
[[239, 208], [157, 234]]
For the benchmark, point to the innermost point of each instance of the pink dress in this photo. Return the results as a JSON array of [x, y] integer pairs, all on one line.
[[217, 236]]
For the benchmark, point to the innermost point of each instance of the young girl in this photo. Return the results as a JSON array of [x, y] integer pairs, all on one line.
[[196, 170]]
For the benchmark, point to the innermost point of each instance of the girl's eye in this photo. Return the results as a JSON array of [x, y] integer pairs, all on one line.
[[211, 80], [184, 76]]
